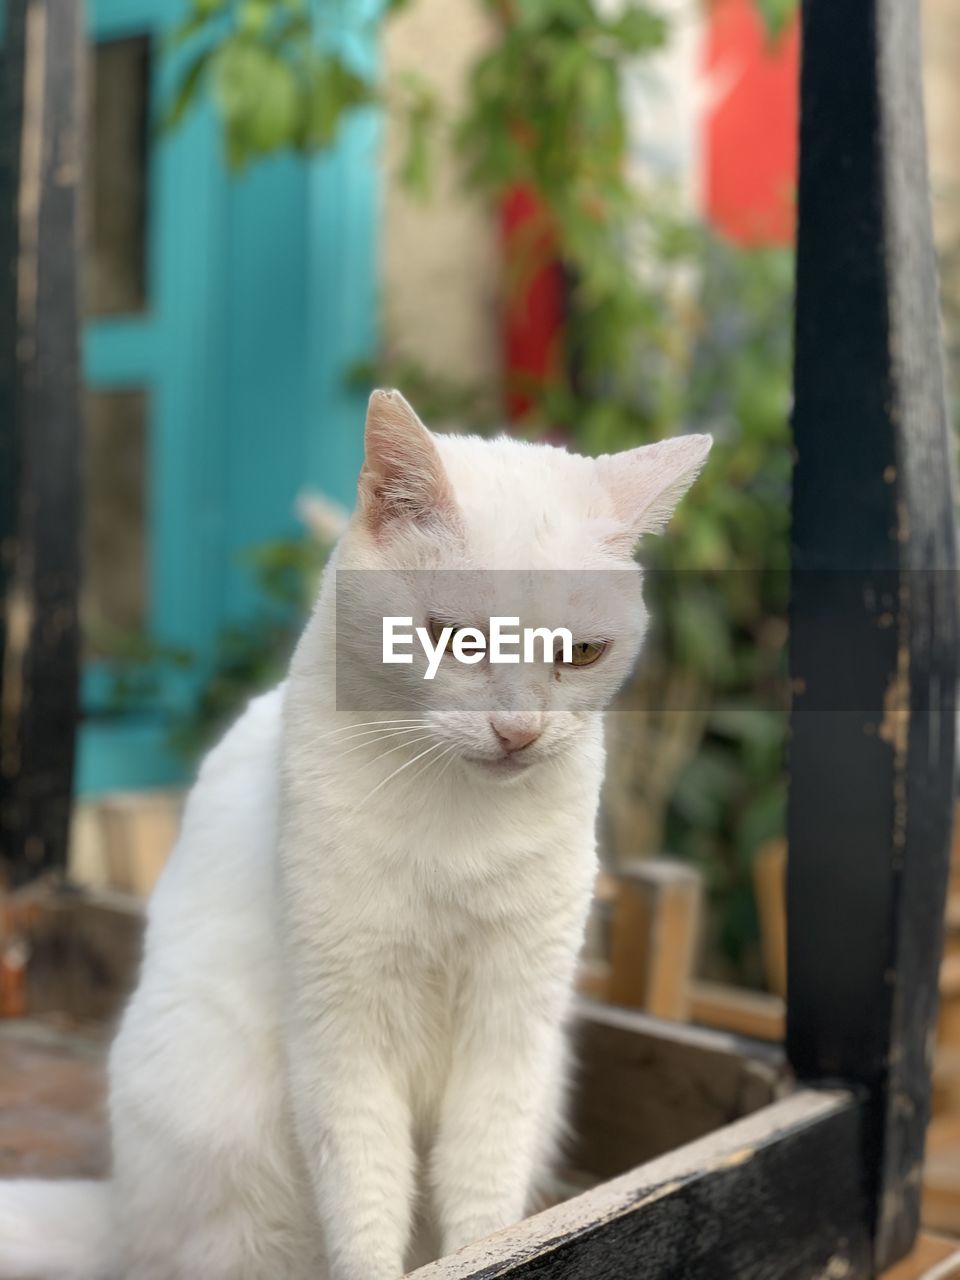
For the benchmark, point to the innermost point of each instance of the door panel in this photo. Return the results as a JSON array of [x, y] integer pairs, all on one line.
[[230, 311], [116, 582], [115, 258], [154, 326]]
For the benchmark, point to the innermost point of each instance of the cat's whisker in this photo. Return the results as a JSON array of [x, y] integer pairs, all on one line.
[[384, 738], [364, 724], [391, 776], [453, 755], [425, 768], [374, 733], [373, 726], [442, 762]]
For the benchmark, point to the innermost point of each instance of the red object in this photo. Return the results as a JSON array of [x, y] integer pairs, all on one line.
[[751, 125], [534, 291]]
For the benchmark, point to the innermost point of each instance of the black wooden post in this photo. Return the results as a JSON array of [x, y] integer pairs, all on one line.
[[874, 601], [40, 144]]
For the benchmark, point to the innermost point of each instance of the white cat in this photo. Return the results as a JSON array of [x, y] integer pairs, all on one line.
[[346, 1050]]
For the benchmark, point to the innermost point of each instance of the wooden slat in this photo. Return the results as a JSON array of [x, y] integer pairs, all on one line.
[[941, 1175], [656, 922], [948, 1021], [932, 1258], [644, 1087], [746, 1013], [778, 1195], [946, 1080], [769, 886], [593, 979], [951, 940], [40, 133], [874, 607]]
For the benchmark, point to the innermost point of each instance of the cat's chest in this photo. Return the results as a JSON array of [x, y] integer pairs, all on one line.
[[451, 893], [458, 846]]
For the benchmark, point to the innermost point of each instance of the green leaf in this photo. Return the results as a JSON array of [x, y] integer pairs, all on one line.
[[776, 15], [703, 636], [299, 27], [202, 16], [639, 30], [273, 122], [187, 91], [707, 786], [763, 819], [253, 17], [417, 111], [187, 29], [749, 724], [257, 94], [415, 166], [333, 89]]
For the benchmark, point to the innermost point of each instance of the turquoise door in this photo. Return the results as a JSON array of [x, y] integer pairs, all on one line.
[[223, 317]]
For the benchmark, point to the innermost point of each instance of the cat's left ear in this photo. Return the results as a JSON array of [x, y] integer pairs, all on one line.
[[646, 484], [402, 478]]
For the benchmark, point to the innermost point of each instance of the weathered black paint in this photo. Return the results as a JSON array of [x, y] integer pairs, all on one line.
[[874, 604], [778, 1196], [790, 1210], [40, 136]]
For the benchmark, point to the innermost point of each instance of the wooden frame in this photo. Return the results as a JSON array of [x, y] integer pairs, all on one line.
[[261, 297], [874, 613], [749, 1201], [40, 86]]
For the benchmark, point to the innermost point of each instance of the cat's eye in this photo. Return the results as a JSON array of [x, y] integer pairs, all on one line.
[[585, 653], [436, 626]]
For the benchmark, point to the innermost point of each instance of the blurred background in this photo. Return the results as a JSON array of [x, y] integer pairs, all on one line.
[[568, 218]]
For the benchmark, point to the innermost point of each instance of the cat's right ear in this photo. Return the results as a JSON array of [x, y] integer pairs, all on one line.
[[402, 478]]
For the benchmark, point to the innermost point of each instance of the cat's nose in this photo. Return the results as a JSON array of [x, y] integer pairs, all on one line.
[[514, 735]]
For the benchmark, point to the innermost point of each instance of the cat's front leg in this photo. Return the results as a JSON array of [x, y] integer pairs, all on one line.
[[501, 1109], [354, 1128]]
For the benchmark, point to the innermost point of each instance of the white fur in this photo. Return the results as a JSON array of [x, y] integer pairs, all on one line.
[[346, 1051], [54, 1228]]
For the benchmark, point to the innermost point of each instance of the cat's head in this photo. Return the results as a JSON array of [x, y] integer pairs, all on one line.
[[451, 531]]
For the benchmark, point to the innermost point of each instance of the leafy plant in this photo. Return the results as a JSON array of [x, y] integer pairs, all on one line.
[[274, 84], [250, 656], [666, 329], [698, 740]]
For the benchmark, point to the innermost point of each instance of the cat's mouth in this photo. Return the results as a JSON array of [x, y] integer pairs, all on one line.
[[507, 765]]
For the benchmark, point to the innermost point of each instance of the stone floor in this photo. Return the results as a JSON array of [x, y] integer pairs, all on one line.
[[52, 1100]]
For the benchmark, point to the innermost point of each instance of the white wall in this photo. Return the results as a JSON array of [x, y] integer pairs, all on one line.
[[440, 260], [941, 55]]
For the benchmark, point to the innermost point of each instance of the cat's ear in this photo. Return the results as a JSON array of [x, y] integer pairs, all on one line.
[[646, 484], [402, 478]]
